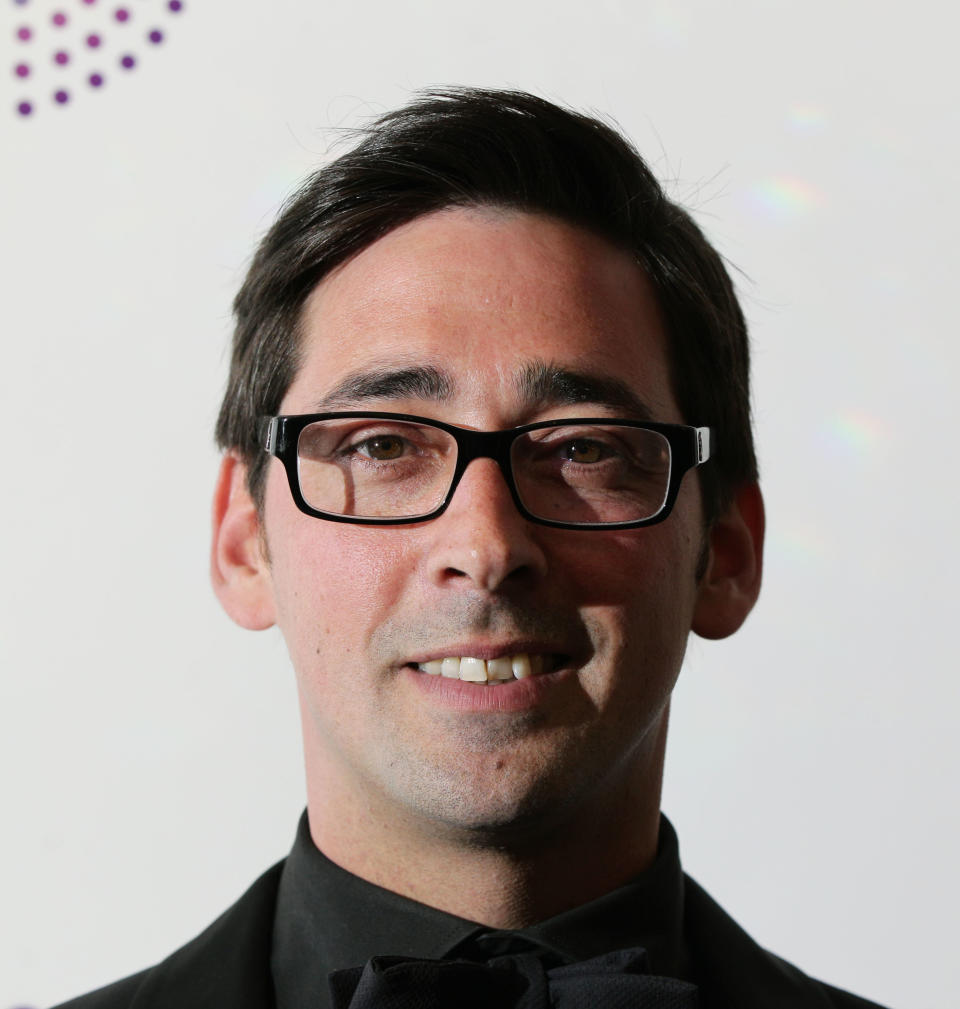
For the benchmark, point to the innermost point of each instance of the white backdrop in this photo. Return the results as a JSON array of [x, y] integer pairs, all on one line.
[[150, 750]]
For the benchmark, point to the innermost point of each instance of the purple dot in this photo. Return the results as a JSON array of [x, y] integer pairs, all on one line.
[[61, 58], [61, 97], [24, 108], [156, 36], [95, 80], [59, 19], [121, 14], [88, 2], [20, 3], [22, 70], [128, 62], [175, 6], [24, 34]]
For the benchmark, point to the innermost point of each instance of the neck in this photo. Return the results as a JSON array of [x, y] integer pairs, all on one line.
[[503, 877]]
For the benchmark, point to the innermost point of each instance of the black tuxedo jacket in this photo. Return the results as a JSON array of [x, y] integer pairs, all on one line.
[[228, 965]]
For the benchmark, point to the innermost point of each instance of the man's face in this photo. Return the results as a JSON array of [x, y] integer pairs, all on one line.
[[468, 303]]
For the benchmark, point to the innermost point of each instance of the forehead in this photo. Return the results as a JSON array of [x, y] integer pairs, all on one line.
[[483, 299]]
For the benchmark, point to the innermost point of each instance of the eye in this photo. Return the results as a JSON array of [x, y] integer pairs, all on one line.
[[382, 447], [584, 450]]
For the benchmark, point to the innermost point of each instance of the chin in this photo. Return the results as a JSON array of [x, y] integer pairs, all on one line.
[[499, 806]]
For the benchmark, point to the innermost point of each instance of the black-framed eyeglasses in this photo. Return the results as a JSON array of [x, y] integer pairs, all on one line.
[[393, 468]]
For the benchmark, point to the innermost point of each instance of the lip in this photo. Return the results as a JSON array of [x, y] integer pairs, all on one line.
[[511, 696]]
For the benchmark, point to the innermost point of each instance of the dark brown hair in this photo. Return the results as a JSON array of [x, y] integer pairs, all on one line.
[[463, 147]]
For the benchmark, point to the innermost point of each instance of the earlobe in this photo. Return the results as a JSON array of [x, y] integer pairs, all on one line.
[[238, 565], [731, 583]]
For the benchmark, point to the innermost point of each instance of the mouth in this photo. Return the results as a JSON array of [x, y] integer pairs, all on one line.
[[492, 672]]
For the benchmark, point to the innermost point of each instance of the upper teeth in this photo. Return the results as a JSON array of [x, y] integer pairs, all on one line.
[[504, 667]]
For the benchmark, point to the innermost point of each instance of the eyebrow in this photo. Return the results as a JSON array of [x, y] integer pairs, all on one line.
[[544, 384], [539, 384], [415, 382]]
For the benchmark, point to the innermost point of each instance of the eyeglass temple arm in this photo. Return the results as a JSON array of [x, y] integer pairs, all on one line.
[[703, 444], [267, 428]]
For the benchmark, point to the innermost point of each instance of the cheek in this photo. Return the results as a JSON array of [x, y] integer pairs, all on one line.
[[333, 584], [637, 591], [633, 569]]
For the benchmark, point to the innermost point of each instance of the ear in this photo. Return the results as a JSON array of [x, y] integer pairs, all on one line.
[[731, 584], [238, 566]]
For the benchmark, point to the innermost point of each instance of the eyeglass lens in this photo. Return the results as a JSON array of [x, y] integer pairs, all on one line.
[[578, 473]]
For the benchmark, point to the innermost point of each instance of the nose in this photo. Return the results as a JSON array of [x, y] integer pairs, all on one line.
[[482, 541]]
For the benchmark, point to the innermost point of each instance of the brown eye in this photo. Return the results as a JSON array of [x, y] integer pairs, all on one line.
[[584, 451], [383, 447]]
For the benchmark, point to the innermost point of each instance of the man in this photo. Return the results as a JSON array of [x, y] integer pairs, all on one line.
[[488, 461]]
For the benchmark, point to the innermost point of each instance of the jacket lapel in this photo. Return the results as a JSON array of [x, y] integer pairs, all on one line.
[[728, 961], [225, 967]]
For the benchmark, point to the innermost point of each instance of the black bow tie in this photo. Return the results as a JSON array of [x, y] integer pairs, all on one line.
[[516, 981]]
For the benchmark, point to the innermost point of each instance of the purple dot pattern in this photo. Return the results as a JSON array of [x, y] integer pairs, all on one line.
[[67, 38]]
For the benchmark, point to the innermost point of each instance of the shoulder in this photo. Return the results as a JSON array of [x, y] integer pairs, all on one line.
[[732, 969], [227, 965], [118, 995]]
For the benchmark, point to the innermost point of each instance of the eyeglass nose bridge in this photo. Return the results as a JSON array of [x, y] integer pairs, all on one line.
[[495, 445]]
